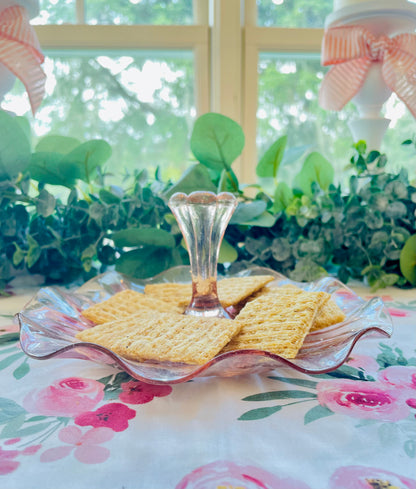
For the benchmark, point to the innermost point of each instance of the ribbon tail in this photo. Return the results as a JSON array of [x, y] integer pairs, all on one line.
[[399, 73], [24, 63], [342, 83]]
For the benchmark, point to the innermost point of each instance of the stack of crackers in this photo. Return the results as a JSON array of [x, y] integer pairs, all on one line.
[[152, 326]]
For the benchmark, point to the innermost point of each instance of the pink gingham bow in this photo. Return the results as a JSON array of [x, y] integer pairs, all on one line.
[[351, 50], [20, 52]]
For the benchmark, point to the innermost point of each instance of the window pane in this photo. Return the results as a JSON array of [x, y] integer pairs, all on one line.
[[141, 103], [293, 13], [155, 12], [288, 105], [56, 12]]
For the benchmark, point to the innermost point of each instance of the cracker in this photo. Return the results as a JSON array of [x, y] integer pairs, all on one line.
[[231, 291], [329, 315], [277, 323], [150, 335], [123, 304], [177, 294]]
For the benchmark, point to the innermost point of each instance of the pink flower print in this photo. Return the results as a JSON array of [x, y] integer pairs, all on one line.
[[31, 450], [135, 392], [360, 477], [227, 474], [411, 403], [7, 462], [86, 446], [66, 397], [398, 313], [365, 362], [360, 399], [399, 376], [10, 328], [113, 415], [384, 298]]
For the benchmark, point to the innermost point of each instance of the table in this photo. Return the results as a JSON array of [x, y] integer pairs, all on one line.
[[67, 423]]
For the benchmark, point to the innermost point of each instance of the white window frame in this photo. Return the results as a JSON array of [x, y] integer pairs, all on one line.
[[226, 43]]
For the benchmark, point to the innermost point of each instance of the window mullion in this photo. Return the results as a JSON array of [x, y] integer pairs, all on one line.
[[226, 53], [80, 11]]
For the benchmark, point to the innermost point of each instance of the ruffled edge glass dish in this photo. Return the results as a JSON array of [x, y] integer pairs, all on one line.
[[50, 321]]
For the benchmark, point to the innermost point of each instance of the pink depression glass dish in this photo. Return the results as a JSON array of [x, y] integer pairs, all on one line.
[[50, 321]]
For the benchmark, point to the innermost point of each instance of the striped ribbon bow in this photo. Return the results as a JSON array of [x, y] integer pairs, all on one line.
[[351, 50], [20, 52]]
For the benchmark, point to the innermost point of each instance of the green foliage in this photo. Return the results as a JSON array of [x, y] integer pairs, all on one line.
[[62, 221]]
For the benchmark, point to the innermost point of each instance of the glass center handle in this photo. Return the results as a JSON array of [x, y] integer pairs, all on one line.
[[203, 217]]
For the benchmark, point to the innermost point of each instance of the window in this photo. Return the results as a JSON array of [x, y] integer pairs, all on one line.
[[138, 72]]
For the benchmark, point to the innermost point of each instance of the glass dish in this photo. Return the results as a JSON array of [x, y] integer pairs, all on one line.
[[50, 321]]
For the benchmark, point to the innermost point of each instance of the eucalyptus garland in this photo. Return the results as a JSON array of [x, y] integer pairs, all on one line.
[[366, 231]]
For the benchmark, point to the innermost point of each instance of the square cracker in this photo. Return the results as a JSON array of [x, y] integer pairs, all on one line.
[[231, 291], [328, 314], [150, 335], [123, 304], [277, 323]]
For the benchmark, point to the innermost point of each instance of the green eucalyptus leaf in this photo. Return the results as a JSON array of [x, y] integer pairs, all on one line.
[[25, 125], [228, 182], [408, 260], [143, 236], [57, 144], [216, 141], [45, 204], [283, 197], [264, 220], [227, 254], [18, 255], [268, 165], [108, 197], [33, 253], [247, 211], [316, 169], [50, 168], [15, 149], [87, 157], [145, 262], [197, 177]]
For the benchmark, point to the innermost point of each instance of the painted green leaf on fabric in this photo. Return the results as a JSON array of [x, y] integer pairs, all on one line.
[[9, 360], [260, 413], [22, 370], [9, 410], [8, 337], [216, 141], [317, 412], [300, 382], [275, 395]]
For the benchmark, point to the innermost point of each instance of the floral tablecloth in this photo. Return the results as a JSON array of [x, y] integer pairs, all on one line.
[[68, 423]]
